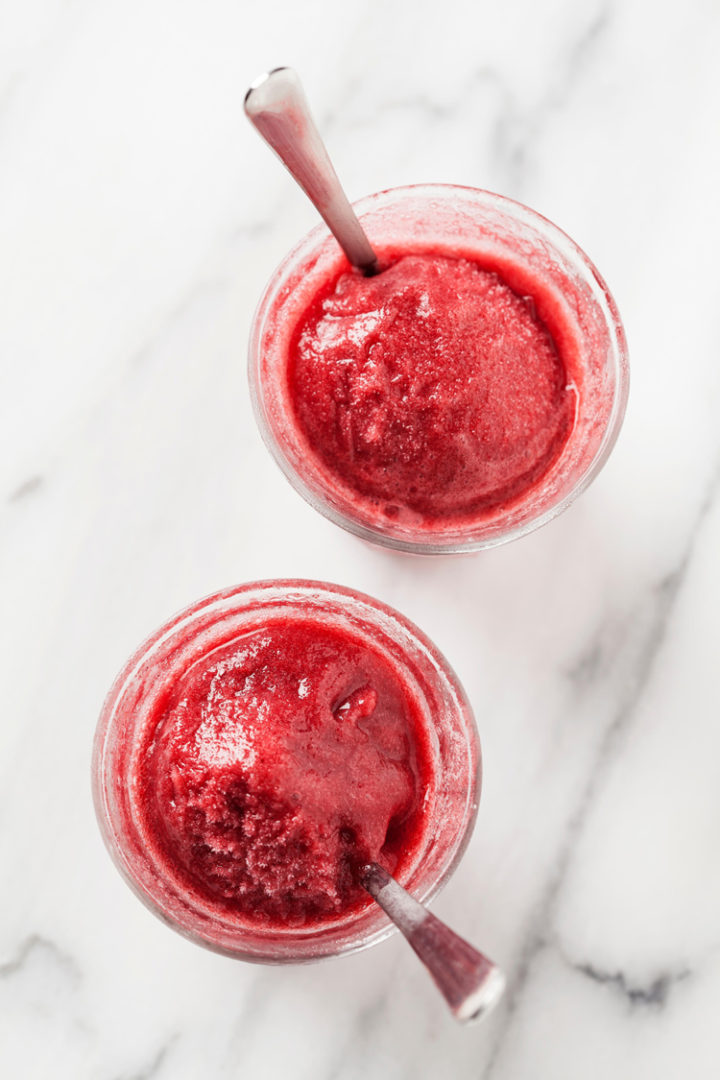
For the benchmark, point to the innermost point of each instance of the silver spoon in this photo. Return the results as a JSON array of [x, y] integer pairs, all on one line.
[[276, 105], [470, 983]]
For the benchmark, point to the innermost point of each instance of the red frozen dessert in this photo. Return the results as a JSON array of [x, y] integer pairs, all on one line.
[[262, 746], [277, 764], [461, 396], [432, 389]]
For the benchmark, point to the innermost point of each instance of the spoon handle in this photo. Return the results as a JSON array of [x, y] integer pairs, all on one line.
[[276, 105], [470, 983]]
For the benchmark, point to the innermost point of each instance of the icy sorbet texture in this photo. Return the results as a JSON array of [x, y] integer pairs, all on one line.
[[279, 763], [431, 391]]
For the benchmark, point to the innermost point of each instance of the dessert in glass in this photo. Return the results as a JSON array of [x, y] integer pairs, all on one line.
[[462, 396], [266, 743]]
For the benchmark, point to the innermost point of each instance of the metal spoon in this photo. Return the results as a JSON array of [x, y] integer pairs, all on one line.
[[276, 105], [470, 983]]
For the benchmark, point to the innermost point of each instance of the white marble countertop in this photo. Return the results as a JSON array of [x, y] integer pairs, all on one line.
[[140, 216]]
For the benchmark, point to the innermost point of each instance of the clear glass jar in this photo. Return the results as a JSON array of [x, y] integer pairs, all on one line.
[[444, 219], [190, 635]]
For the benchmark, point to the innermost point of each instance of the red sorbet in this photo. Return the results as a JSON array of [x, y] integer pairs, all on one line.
[[278, 763], [432, 390]]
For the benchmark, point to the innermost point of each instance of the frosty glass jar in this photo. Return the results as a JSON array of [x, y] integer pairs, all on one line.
[[570, 297], [131, 706]]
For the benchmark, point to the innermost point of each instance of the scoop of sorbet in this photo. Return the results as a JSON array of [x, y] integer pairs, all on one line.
[[432, 388], [281, 762]]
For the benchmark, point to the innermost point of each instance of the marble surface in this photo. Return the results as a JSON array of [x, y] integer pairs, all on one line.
[[140, 216]]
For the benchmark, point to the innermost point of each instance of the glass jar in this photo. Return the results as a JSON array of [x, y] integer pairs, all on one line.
[[448, 816], [568, 294]]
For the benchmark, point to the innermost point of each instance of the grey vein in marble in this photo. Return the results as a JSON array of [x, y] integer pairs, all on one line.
[[30, 486], [429, 108], [517, 133], [663, 599], [153, 1068], [653, 995], [588, 665], [35, 946]]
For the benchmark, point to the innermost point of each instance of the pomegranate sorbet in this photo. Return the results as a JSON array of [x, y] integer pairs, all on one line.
[[462, 395], [277, 765], [432, 389], [263, 746]]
